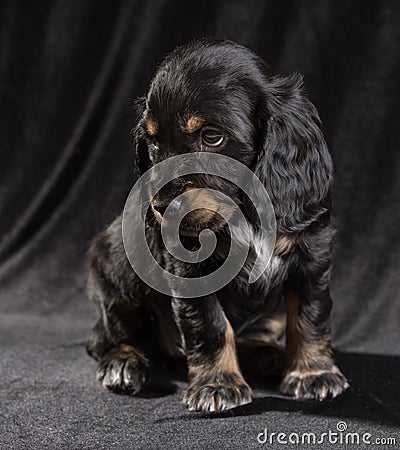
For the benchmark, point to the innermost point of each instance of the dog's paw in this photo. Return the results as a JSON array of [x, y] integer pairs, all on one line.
[[314, 384], [217, 396], [123, 371]]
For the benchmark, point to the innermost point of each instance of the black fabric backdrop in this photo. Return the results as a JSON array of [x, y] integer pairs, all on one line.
[[69, 72]]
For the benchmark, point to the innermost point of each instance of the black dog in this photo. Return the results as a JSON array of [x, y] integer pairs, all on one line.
[[217, 96]]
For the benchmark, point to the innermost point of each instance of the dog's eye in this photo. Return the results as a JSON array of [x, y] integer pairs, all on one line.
[[212, 138]]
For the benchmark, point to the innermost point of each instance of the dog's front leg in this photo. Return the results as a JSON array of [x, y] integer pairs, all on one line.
[[311, 372], [215, 380]]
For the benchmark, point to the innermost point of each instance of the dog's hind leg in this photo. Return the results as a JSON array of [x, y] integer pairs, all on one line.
[[123, 338], [120, 340]]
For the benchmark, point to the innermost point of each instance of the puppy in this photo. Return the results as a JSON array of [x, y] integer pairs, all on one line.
[[218, 96]]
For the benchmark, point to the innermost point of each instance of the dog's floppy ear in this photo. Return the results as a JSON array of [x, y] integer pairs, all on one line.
[[293, 162], [142, 159]]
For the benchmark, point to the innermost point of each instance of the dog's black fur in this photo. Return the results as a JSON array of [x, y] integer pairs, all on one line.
[[203, 91]]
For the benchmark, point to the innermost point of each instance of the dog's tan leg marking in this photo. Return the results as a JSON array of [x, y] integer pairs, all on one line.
[[217, 384], [310, 371], [302, 351]]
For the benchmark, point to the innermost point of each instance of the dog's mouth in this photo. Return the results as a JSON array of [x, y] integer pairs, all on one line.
[[192, 223], [196, 210], [200, 220]]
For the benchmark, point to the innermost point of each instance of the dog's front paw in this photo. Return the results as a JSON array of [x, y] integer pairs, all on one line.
[[123, 371], [314, 384], [217, 396]]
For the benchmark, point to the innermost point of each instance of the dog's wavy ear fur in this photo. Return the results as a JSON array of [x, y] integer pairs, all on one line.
[[293, 163], [142, 159]]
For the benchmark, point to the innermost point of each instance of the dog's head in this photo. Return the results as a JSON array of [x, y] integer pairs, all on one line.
[[218, 96]]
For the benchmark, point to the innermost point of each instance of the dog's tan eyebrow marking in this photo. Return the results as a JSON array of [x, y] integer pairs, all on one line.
[[151, 126], [194, 123]]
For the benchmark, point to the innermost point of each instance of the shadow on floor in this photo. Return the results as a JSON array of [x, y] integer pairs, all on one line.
[[374, 394]]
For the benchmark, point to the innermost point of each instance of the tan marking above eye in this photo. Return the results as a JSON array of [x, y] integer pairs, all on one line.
[[194, 123], [151, 126]]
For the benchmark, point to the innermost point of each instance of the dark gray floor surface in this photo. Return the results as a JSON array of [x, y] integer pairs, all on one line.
[[50, 399]]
